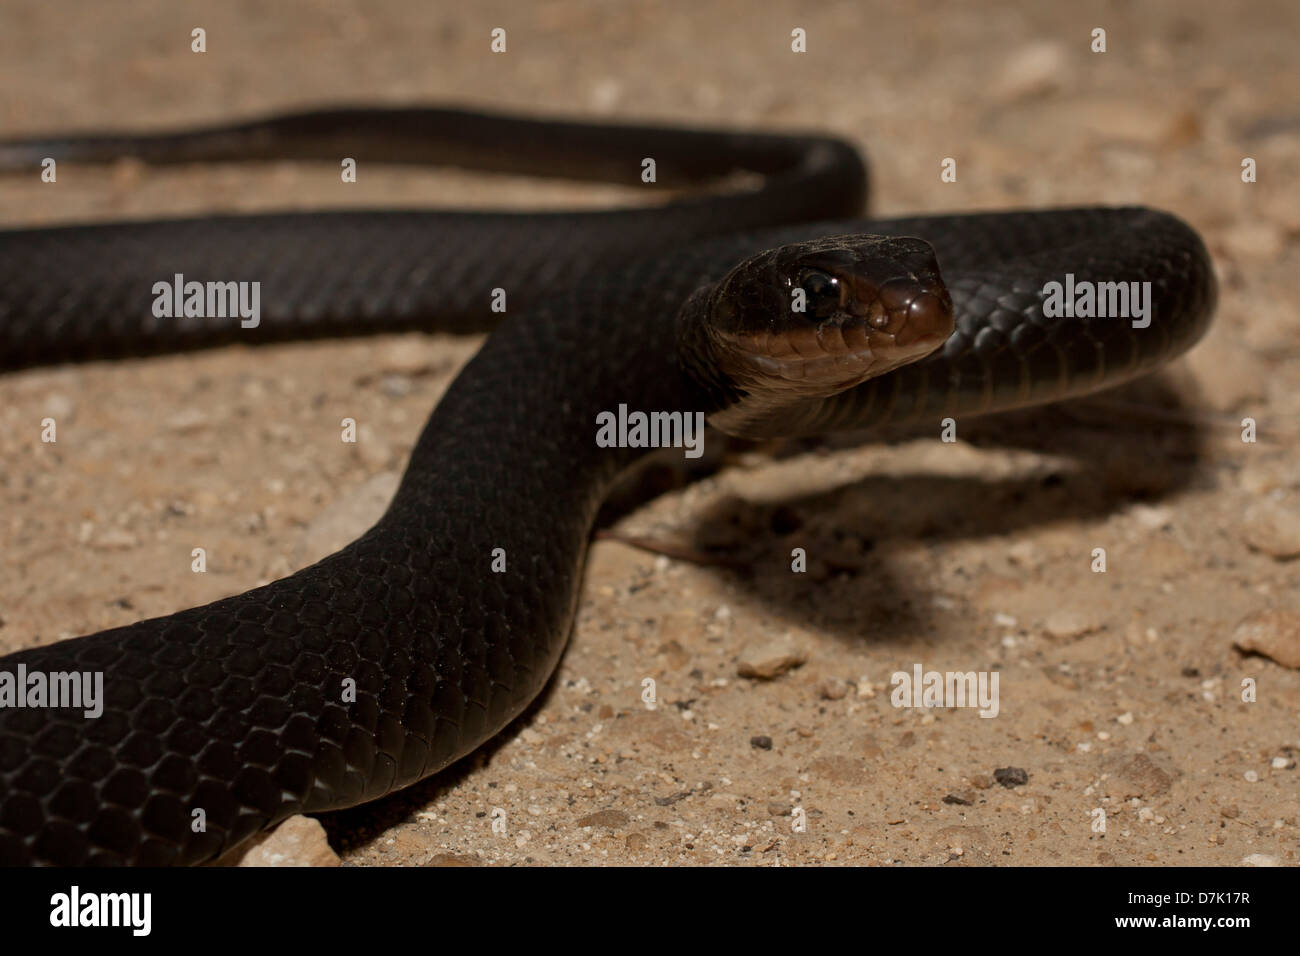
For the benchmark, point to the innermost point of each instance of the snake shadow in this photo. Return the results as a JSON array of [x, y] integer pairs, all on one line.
[[1137, 443]]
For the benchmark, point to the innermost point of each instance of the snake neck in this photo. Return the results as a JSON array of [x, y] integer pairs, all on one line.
[[713, 389], [728, 405]]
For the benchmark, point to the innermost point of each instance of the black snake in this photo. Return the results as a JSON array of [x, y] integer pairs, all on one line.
[[238, 708]]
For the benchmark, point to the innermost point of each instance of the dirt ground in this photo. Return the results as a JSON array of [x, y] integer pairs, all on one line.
[[1119, 691]]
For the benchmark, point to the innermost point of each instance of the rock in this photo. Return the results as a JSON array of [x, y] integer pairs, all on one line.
[[1259, 241], [1072, 622], [962, 798], [762, 742], [1273, 528], [1260, 859], [1031, 71], [1011, 777], [833, 689], [298, 841], [187, 422], [1136, 775], [408, 356], [395, 386], [1263, 478], [771, 659], [605, 818], [59, 407], [115, 539], [1273, 633], [1151, 517]]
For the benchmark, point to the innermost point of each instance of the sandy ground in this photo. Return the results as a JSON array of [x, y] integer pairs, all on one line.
[[1118, 691]]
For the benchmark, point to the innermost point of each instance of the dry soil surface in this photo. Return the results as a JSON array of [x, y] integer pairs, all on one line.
[[1121, 693]]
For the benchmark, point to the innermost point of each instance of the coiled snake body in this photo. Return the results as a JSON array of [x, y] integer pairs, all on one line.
[[237, 708]]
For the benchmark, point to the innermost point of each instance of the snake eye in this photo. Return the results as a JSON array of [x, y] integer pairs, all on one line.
[[821, 293]]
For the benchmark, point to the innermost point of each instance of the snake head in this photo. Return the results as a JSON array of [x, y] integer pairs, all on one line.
[[808, 320]]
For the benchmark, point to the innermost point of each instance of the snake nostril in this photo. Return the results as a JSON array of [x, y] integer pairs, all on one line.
[[897, 294]]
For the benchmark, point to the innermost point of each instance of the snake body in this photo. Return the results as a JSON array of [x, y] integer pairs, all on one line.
[[236, 708]]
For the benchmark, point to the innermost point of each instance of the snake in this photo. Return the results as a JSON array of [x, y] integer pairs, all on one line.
[[747, 288]]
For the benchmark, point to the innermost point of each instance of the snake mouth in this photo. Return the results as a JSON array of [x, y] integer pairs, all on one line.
[[840, 369], [878, 329]]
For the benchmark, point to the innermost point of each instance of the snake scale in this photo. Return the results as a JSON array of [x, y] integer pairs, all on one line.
[[236, 708]]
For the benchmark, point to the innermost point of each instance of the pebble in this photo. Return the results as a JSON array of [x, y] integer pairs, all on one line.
[[1071, 622], [1273, 527], [59, 407], [187, 422], [298, 841], [1011, 777], [406, 357], [1258, 241], [1031, 71], [833, 689], [395, 386], [1136, 775], [116, 539], [771, 659], [605, 818], [1259, 479], [1273, 633], [962, 798], [761, 742]]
